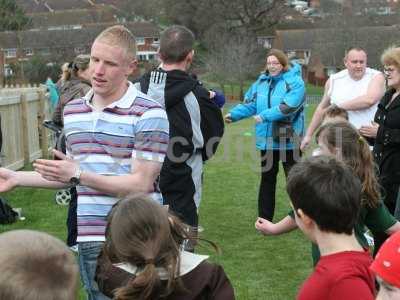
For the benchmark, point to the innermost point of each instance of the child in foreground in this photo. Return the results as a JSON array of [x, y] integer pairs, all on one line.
[[321, 189], [142, 258], [36, 266], [386, 267], [342, 140]]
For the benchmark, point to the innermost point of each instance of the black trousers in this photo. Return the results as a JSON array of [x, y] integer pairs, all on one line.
[[72, 222], [390, 193], [269, 170]]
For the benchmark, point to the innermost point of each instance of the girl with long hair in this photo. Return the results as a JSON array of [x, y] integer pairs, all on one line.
[[343, 141], [142, 258]]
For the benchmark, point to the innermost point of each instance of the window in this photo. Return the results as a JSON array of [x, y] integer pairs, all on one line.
[[140, 41], [12, 52], [8, 72], [28, 51]]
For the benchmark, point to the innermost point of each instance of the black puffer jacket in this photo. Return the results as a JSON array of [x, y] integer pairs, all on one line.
[[387, 142]]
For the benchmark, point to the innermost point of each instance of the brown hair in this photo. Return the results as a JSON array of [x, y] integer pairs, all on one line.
[[355, 152], [36, 266], [119, 36], [70, 70], [142, 233], [391, 56], [281, 56], [334, 111]]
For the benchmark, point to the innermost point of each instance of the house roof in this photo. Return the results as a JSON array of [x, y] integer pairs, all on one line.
[[71, 37], [72, 17], [331, 44]]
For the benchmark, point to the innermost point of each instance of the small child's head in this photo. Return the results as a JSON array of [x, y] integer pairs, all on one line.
[[141, 232], [321, 190], [334, 114], [36, 266], [344, 141], [386, 267]]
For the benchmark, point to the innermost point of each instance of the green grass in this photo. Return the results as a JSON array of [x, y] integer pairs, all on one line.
[[259, 267]]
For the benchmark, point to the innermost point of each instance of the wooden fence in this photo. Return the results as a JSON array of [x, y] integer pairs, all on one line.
[[22, 111]]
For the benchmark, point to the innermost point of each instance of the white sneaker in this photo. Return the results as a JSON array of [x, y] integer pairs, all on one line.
[[74, 248]]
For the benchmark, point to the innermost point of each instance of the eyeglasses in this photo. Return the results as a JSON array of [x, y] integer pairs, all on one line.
[[273, 63]]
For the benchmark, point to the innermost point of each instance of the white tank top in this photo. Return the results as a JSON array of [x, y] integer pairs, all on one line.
[[343, 88]]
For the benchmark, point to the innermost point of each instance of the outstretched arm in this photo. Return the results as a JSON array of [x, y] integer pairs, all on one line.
[[10, 179], [266, 227], [141, 179], [375, 92], [317, 117]]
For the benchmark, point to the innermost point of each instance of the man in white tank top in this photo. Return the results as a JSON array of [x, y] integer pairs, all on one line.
[[357, 89]]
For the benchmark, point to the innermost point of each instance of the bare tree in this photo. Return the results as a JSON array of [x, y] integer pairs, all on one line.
[[233, 58]]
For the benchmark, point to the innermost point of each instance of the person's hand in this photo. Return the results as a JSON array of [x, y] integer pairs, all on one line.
[[305, 142], [56, 170], [211, 94], [369, 131], [8, 180], [264, 226], [228, 118], [258, 119]]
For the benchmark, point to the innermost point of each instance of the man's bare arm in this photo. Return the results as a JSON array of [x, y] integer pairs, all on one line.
[[10, 179], [375, 92], [317, 117], [142, 179]]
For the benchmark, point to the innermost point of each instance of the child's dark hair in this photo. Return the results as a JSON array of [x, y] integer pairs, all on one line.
[[141, 232], [325, 190], [355, 152], [335, 111]]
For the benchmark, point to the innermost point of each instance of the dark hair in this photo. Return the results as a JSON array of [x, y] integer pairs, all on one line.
[[335, 111], [142, 233], [355, 152], [176, 42], [325, 190]]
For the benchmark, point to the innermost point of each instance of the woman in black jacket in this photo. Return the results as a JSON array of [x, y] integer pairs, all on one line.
[[386, 131]]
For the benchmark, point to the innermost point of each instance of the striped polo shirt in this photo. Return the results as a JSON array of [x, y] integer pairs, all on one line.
[[104, 142]]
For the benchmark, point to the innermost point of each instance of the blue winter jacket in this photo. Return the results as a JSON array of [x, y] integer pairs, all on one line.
[[286, 103]]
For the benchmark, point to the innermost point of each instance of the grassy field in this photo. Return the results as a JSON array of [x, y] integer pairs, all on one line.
[[259, 267]]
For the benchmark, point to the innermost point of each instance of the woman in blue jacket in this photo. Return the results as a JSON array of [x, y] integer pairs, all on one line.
[[276, 102]]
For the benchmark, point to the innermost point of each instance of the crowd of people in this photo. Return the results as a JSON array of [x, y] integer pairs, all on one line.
[[132, 155]]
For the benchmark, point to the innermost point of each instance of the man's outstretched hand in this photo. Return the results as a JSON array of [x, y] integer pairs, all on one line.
[[56, 170], [8, 180]]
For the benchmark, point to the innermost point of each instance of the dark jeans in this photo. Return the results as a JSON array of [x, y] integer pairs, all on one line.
[[391, 198], [269, 171], [72, 223]]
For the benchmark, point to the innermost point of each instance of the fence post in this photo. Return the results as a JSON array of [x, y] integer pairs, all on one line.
[[24, 126], [43, 134]]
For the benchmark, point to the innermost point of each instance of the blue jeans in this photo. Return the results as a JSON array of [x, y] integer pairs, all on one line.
[[88, 252]]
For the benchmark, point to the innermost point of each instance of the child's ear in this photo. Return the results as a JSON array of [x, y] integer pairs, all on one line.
[[307, 221]]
